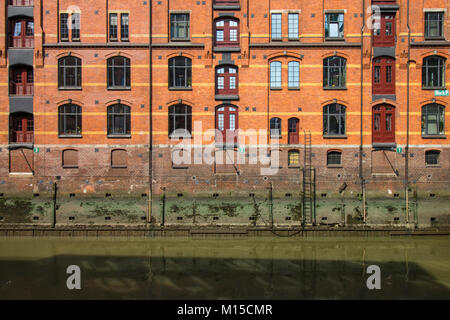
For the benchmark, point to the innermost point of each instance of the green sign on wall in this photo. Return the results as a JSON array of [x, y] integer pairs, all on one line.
[[36, 150], [441, 93]]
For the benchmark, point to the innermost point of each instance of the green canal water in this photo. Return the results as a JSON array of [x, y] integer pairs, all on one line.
[[256, 268]]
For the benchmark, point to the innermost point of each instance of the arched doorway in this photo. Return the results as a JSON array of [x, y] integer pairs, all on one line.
[[383, 123], [227, 125]]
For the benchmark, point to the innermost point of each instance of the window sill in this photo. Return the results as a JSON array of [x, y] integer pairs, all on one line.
[[227, 6], [294, 89], [434, 88], [227, 97], [334, 166], [70, 88], [277, 39], [276, 89], [180, 137], [187, 40], [276, 137], [180, 168], [433, 38], [70, 136], [433, 166], [335, 136], [335, 39], [434, 136], [119, 167], [227, 49], [119, 136], [70, 167], [335, 88], [297, 166], [119, 88], [180, 89]]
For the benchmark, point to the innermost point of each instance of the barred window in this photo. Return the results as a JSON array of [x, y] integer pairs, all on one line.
[[119, 73], [180, 121], [432, 157], [275, 128], [334, 73], [69, 73], [276, 26], [334, 158], [119, 120], [294, 75], [433, 118], [275, 75], [433, 72], [69, 120], [334, 120], [180, 72]]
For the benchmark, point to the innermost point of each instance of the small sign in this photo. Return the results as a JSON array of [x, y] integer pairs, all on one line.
[[399, 150], [36, 150], [441, 93], [242, 149]]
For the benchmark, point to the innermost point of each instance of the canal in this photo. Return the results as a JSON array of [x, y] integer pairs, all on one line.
[[251, 268]]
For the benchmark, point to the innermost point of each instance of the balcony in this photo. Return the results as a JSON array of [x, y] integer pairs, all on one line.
[[227, 4], [21, 3]]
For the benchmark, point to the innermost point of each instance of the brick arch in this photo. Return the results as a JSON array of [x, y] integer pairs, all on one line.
[[435, 53], [67, 101], [180, 54], [434, 100], [285, 54], [116, 101], [328, 102], [69, 54], [182, 101], [118, 54], [335, 54]]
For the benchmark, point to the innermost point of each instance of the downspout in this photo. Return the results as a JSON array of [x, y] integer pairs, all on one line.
[[150, 147], [407, 120], [361, 145]]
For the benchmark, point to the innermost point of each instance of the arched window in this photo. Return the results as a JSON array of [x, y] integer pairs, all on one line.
[[69, 73], [433, 119], [275, 75], [227, 80], [294, 158], [119, 73], [334, 120], [294, 75], [433, 72], [334, 73], [70, 120], [275, 128], [334, 159], [119, 158], [70, 158], [432, 157], [227, 32], [180, 121], [180, 72], [119, 120]]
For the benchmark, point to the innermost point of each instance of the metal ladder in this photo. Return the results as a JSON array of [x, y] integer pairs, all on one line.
[[308, 183]]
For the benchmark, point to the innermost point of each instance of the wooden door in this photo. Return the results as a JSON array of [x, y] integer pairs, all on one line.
[[227, 124], [22, 33], [384, 32], [383, 75], [294, 127], [22, 129], [22, 81], [383, 124]]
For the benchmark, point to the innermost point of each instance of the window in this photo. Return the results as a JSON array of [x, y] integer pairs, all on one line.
[[384, 31], [334, 25], [70, 120], [276, 26], [70, 159], [180, 121], [119, 158], [227, 32], [334, 158], [433, 72], [383, 76], [69, 73], [21, 81], [294, 158], [434, 25], [275, 75], [226, 80], [124, 27], [119, 120], [334, 120], [433, 116], [179, 26], [294, 75], [293, 26], [180, 73], [114, 27], [334, 73], [69, 27], [275, 128], [22, 33], [119, 73], [432, 157]]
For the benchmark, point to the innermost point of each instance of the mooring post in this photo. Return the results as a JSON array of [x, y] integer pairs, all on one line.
[[271, 204], [55, 190]]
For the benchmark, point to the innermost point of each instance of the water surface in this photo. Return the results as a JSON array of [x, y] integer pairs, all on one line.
[[257, 268]]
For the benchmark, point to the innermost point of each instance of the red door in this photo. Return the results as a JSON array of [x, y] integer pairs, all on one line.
[[22, 81], [22, 129], [226, 80], [383, 124], [227, 124], [227, 32], [384, 31], [294, 126], [22, 34], [383, 76]]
